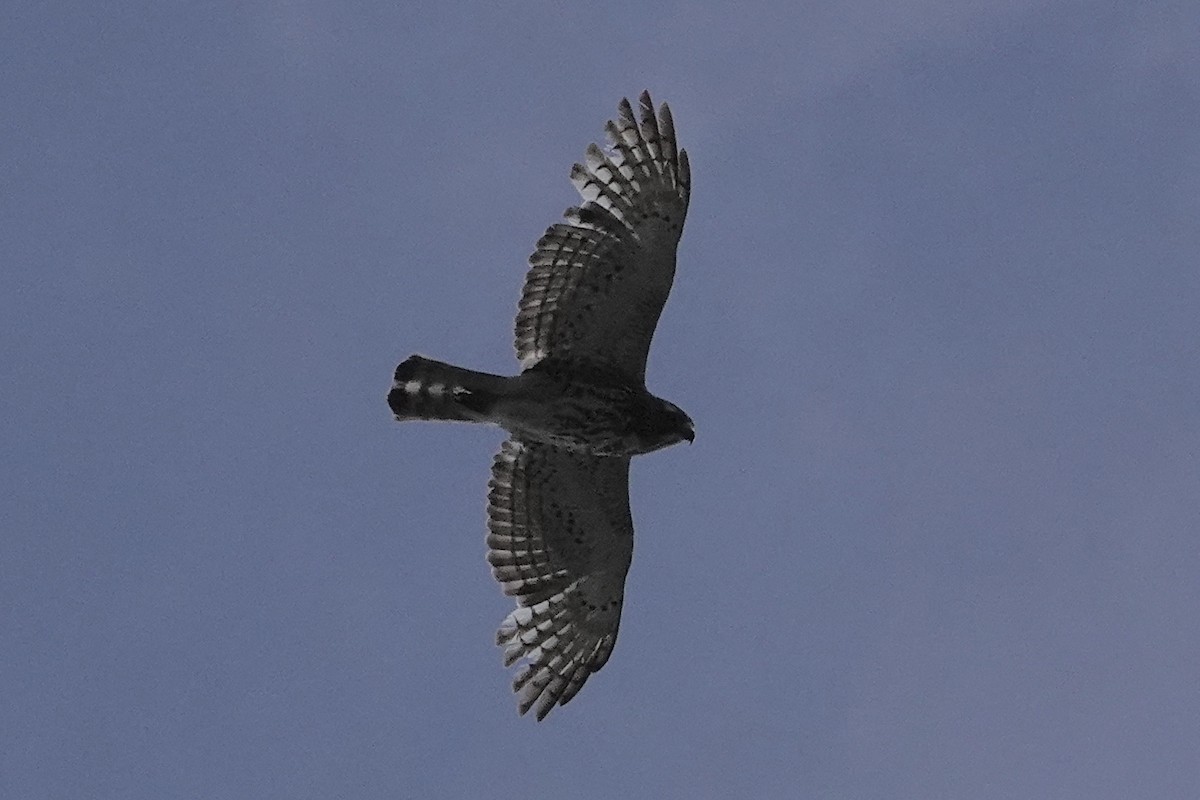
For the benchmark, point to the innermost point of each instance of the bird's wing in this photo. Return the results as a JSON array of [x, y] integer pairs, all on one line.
[[597, 282], [560, 540]]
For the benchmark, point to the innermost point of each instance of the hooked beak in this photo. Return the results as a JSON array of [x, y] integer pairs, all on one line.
[[691, 433]]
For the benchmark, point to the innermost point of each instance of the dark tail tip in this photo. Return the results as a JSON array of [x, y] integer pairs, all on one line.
[[407, 369], [427, 389], [407, 397]]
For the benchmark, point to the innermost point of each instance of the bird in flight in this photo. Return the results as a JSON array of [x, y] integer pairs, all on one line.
[[560, 532]]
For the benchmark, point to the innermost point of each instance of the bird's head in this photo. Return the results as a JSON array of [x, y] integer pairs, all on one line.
[[664, 424]]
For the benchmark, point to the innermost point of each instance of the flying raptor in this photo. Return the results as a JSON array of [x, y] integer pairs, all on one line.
[[560, 532]]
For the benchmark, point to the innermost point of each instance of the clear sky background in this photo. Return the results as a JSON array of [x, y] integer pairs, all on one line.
[[937, 318]]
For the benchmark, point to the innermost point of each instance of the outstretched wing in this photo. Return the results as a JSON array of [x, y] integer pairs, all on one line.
[[560, 540], [598, 281]]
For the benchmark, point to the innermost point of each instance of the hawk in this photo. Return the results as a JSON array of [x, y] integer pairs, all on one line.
[[560, 532]]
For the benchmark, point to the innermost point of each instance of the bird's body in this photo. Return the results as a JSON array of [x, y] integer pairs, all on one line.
[[560, 531], [592, 410]]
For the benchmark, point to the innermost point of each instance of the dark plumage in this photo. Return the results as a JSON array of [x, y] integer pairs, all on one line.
[[561, 535]]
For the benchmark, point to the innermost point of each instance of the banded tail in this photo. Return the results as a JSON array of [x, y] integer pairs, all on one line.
[[428, 389]]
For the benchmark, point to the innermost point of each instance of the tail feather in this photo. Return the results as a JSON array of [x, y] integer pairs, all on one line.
[[428, 389]]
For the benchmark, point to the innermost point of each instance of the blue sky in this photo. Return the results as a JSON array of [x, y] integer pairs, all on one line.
[[935, 318]]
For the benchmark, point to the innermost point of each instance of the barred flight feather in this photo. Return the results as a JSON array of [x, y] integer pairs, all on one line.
[[566, 567], [614, 250]]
